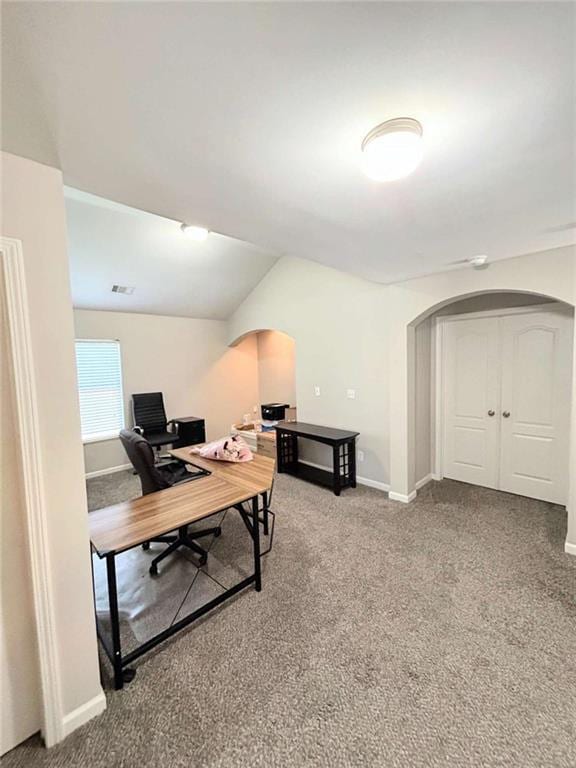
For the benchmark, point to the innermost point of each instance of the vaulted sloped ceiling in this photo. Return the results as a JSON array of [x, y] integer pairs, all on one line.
[[248, 117], [171, 275]]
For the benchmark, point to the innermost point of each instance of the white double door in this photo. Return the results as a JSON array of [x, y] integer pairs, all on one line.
[[506, 407]]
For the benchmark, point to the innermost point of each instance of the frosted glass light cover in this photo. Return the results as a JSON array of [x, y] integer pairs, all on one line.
[[392, 150]]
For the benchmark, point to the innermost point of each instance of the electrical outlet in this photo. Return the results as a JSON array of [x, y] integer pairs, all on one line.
[[360, 455], [317, 391], [255, 409], [351, 394]]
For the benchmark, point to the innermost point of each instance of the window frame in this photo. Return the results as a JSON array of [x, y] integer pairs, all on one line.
[[102, 437]]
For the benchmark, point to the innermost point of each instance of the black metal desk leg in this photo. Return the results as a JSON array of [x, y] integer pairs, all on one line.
[[256, 540], [336, 470], [265, 511], [114, 621]]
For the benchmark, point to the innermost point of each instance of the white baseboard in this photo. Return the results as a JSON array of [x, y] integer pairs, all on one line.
[[82, 714], [570, 548], [373, 484], [360, 480], [424, 481], [405, 499], [107, 471]]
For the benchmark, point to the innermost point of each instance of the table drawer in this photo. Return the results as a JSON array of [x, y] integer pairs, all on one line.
[[266, 447]]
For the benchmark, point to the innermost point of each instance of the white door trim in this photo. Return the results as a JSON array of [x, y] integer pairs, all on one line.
[[12, 264], [438, 404]]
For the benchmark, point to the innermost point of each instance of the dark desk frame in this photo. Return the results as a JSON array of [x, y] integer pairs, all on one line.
[[343, 445], [120, 662]]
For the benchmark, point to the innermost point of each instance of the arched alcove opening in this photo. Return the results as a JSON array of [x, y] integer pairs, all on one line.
[[427, 351], [275, 357]]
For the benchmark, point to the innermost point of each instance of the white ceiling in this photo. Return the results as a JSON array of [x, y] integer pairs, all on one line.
[[109, 244], [248, 117]]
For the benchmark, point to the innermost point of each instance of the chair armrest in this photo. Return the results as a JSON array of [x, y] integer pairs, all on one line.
[[174, 464], [138, 429], [173, 468], [174, 425]]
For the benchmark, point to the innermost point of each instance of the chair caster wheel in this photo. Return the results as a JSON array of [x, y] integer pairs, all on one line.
[[146, 546], [218, 532], [128, 675], [203, 560], [153, 570]]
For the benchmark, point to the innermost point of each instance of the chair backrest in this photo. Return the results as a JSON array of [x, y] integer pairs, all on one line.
[[141, 455], [148, 411]]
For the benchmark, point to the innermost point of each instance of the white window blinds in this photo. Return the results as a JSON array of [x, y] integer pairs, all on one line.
[[100, 388]]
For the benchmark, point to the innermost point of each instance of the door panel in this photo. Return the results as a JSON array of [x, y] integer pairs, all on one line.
[[536, 383], [471, 390]]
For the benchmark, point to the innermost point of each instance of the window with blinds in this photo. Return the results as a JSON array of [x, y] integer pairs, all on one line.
[[99, 371]]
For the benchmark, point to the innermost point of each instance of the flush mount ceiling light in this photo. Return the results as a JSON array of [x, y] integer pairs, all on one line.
[[194, 233], [393, 149]]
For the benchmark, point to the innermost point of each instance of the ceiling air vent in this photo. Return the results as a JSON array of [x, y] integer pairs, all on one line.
[[128, 289]]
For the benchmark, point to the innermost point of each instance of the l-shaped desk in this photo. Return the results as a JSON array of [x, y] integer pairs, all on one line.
[[129, 524]]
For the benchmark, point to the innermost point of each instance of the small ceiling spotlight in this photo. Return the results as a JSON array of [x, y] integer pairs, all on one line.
[[478, 261], [393, 149], [194, 233]]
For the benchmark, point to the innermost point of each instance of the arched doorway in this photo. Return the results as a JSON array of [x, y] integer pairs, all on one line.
[[409, 308], [466, 360]]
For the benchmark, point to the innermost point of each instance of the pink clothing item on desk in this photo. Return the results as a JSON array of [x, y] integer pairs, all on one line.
[[232, 448]]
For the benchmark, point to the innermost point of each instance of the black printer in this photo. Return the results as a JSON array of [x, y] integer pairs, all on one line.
[[274, 411]]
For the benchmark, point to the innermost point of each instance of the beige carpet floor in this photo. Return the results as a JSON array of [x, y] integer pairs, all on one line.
[[437, 634]]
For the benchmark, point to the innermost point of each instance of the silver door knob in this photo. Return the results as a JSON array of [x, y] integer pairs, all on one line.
[[506, 414], [491, 412]]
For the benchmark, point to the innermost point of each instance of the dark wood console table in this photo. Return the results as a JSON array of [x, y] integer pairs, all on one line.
[[343, 445]]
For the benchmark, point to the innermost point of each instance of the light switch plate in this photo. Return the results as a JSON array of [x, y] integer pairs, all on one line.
[[360, 455], [351, 394], [317, 391]]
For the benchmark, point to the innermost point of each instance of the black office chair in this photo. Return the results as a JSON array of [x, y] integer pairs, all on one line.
[[150, 420], [155, 477]]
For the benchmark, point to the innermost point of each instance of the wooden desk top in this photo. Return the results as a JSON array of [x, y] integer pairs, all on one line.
[[255, 475], [124, 525]]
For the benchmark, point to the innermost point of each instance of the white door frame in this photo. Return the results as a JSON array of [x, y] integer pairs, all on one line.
[[12, 265], [438, 388]]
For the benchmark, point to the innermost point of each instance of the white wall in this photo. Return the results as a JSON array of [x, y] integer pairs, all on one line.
[[353, 333], [33, 212], [338, 323], [423, 404], [276, 368], [188, 360], [21, 711]]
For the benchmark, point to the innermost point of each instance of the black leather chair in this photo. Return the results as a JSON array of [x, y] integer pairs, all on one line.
[[155, 477], [150, 419]]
